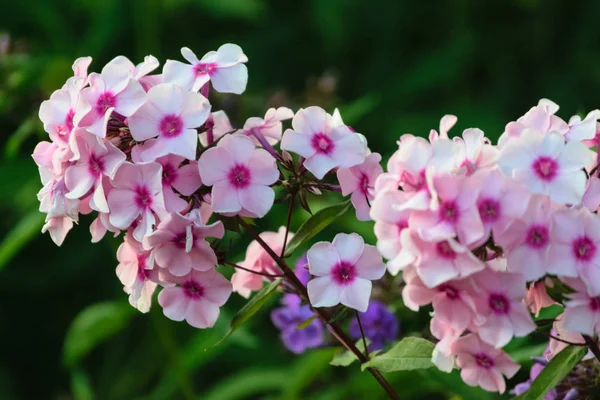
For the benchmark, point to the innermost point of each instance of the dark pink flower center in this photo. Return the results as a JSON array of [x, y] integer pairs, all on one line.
[[584, 249], [169, 174], [143, 199], [444, 250], [205, 68], [489, 210], [412, 182], [69, 120], [180, 240], [96, 165], [142, 272], [193, 289], [499, 303], [450, 291], [595, 304], [239, 176], [484, 361], [449, 211], [401, 225], [322, 143], [105, 101], [537, 236], [363, 184], [545, 168], [344, 273], [170, 126]]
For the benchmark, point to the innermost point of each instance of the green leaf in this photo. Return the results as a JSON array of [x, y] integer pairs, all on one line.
[[81, 386], [92, 326], [306, 323], [408, 354], [251, 307], [554, 372], [25, 230], [347, 357], [316, 224]]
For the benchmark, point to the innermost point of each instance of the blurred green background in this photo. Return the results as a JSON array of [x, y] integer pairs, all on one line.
[[391, 66]]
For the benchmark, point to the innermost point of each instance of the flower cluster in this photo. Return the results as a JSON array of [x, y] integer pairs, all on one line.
[[150, 157], [479, 231], [472, 225]]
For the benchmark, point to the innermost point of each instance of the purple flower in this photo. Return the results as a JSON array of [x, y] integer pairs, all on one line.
[[536, 368], [379, 324], [301, 269], [289, 317]]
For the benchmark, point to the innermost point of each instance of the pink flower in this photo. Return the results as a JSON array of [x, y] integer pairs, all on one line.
[[58, 227], [583, 129], [446, 123], [359, 180], [389, 222], [527, 240], [270, 127], [323, 145], [540, 118], [537, 296], [58, 113], [171, 115], [453, 211], [114, 89], [500, 201], [97, 159], [224, 68], [474, 151], [134, 272], [240, 175], [196, 299], [546, 165], [574, 251], [344, 270], [183, 178], [218, 124], [453, 302], [499, 301], [137, 193], [435, 262], [482, 365], [257, 259], [139, 71], [582, 311], [179, 244], [560, 331], [53, 200]]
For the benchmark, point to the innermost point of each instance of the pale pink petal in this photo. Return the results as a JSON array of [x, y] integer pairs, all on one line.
[[322, 292], [130, 99], [188, 179], [174, 303], [79, 181], [322, 257], [357, 294], [370, 265], [297, 142], [202, 314], [319, 164], [214, 165], [257, 199], [180, 74], [263, 168], [349, 246], [123, 208], [224, 198], [230, 80]]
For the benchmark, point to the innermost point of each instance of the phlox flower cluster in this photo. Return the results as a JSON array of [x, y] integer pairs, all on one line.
[[480, 230], [144, 150]]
